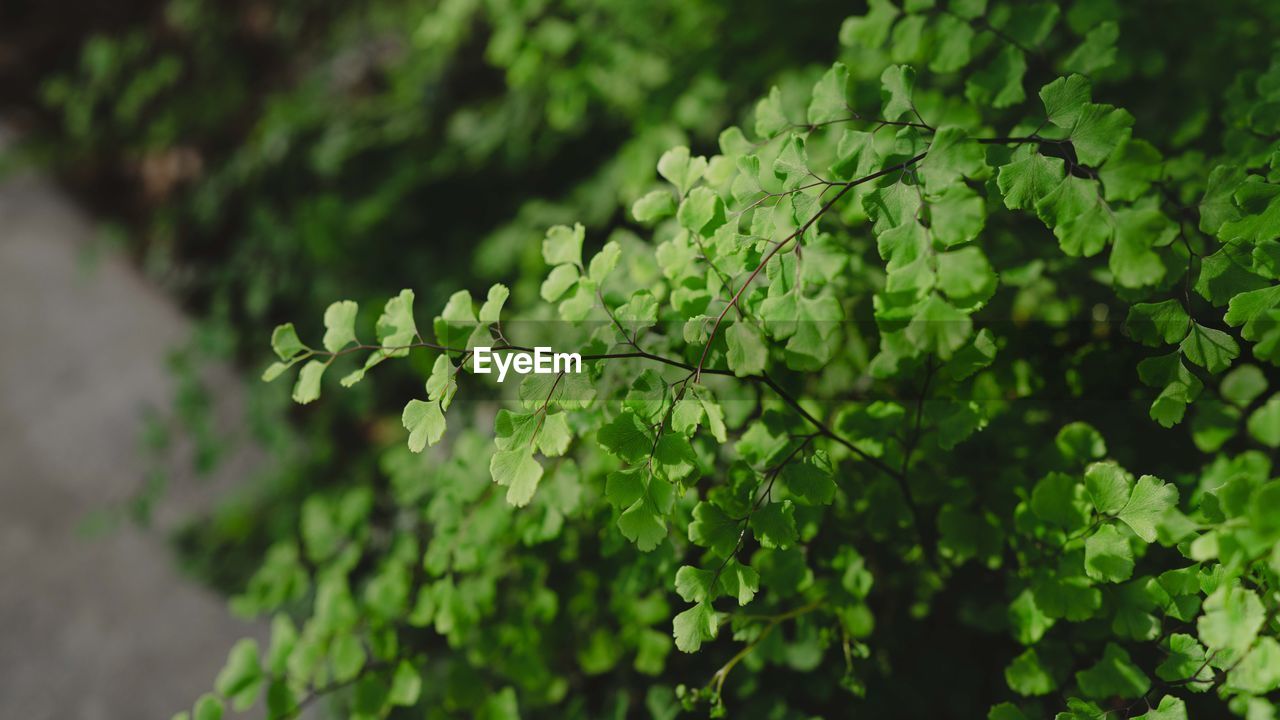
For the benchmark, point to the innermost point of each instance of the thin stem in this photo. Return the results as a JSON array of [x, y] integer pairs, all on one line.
[[926, 541], [722, 674]]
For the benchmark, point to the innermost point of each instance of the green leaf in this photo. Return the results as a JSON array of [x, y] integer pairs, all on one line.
[[908, 39], [686, 415], [1226, 275], [624, 487], [1133, 604], [964, 534], [1185, 662], [892, 206], [957, 215], [694, 626], [1259, 219], [954, 44], [1108, 486], [1059, 499], [491, 310], [1081, 442], [1243, 385], [792, 164], [442, 383], [644, 520], [626, 437], [952, 157], [968, 9], [966, 277], [1097, 52], [902, 247], [811, 480], [1114, 675], [1027, 676], [829, 96], [870, 30], [1081, 221], [347, 657], [558, 282], [605, 261], [1129, 172], [396, 327], [939, 327], [1232, 617], [425, 423], [1179, 387], [1098, 130], [647, 396], [340, 325], [1064, 100], [307, 388], [770, 119], [1133, 260], [1264, 423], [406, 685], [276, 369], [1211, 349], [714, 416], [1156, 324], [1213, 424], [1006, 711], [748, 353], [285, 342], [1170, 708], [207, 707], [1078, 709], [1250, 308], [673, 457], [999, 84], [1029, 23], [1150, 500], [554, 436], [855, 155], [713, 529], [284, 637], [241, 678], [1258, 672], [563, 244], [694, 584], [1027, 620], [1107, 555], [740, 581], [701, 212], [518, 472], [1028, 178], [774, 525], [653, 206], [897, 83], [1217, 206], [1071, 598], [733, 143]]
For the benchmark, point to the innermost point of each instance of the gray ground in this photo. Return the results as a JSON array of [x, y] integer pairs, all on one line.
[[97, 627]]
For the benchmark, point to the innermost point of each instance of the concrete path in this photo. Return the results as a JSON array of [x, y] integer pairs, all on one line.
[[91, 627]]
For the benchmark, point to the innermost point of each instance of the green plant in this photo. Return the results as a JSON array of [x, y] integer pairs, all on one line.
[[265, 156], [926, 396]]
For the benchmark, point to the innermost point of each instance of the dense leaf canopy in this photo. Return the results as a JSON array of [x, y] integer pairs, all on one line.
[[938, 386]]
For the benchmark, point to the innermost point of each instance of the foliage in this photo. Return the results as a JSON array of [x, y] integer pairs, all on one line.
[[265, 156], [939, 388]]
